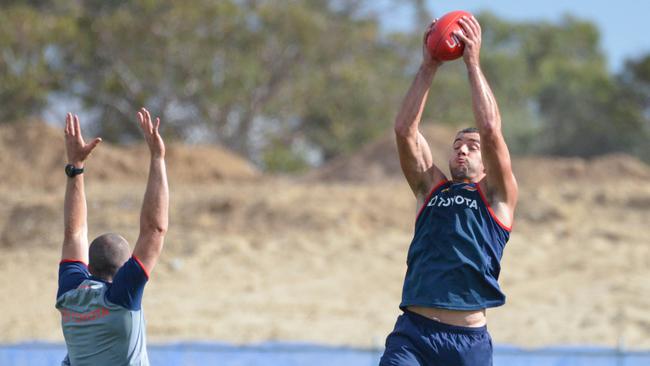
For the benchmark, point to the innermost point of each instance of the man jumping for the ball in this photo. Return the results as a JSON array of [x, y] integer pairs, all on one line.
[[100, 288], [461, 227]]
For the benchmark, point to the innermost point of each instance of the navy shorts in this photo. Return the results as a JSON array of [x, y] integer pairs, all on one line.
[[419, 341]]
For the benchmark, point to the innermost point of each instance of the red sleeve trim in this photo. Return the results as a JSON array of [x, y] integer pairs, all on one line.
[[435, 188], [73, 261], [144, 269], [494, 216]]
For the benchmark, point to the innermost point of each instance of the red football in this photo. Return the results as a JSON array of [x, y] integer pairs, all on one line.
[[441, 42]]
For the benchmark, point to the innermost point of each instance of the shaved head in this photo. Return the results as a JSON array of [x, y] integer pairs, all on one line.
[[107, 253]]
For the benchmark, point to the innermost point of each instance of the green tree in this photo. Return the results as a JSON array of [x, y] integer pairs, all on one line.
[[555, 93], [292, 83], [635, 84], [243, 74], [30, 67]]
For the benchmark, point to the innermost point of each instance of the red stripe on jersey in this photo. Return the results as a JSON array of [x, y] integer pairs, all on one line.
[[494, 216], [73, 261], [146, 273]]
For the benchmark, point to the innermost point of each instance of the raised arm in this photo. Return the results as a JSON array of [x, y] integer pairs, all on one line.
[[75, 234], [414, 152], [155, 207], [501, 184]]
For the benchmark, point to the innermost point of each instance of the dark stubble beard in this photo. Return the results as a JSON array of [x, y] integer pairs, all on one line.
[[460, 172]]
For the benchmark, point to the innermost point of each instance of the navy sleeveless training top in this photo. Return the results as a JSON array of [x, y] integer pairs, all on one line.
[[453, 260]]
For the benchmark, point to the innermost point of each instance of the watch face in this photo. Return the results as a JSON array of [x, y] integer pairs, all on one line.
[[71, 171]]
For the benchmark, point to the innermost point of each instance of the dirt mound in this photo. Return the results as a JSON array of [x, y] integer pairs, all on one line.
[[266, 259], [531, 170], [28, 151], [378, 160], [202, 163], [32, 153], [29, 225]]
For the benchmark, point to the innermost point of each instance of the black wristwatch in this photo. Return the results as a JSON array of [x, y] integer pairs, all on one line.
[[71, 170]]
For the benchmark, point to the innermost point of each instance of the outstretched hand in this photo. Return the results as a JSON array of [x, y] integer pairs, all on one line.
[[151, 134], [427, 58], [471, 37], [76, 149]]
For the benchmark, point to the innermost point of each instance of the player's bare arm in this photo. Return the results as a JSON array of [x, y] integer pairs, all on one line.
[[155, 207], [75, 240], [414, 152], [501, 186]]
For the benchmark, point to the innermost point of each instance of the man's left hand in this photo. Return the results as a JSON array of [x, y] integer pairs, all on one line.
[[471, 37]]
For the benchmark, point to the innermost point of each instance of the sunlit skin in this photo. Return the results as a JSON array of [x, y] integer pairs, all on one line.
[[465, 161], [473, 154]]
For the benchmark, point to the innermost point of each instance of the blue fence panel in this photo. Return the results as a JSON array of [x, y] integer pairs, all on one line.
[[569, 356], [33, 353], [285, 354], [297, 354]]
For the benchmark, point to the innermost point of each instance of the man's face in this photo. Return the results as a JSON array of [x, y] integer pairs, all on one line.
[[466, 163]]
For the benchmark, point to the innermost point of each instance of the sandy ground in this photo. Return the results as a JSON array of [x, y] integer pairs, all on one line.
[[295, 260]]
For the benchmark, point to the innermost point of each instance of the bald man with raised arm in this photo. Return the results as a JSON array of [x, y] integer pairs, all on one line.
[[101, 286], [461, 228]]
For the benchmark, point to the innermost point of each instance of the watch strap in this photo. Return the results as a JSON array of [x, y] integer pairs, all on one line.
[[72, 171]]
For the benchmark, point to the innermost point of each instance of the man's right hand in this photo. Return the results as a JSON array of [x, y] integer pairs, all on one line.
[[76, 149], [151, 134], [414, 152], [427, 59], [75, 236]]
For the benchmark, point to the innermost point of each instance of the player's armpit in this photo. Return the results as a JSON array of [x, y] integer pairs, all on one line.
[[148, 248], [501, 183]]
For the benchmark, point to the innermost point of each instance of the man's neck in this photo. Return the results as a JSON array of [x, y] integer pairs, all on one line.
[[467, 180], [103, 279]]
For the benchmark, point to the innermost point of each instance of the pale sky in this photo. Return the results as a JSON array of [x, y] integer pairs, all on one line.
[[622, 23]]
